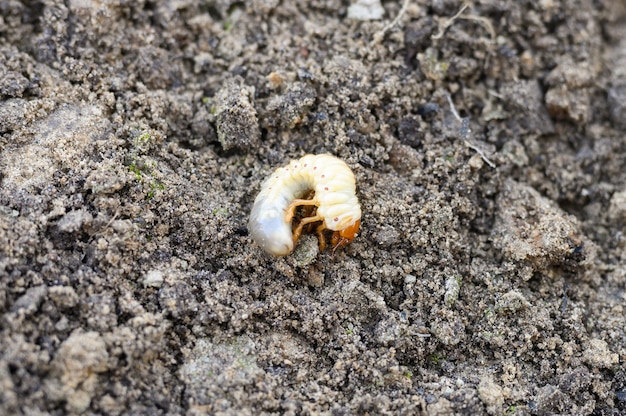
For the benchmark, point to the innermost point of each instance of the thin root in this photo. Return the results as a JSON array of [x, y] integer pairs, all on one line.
[[465, 132], [482, 20], [378, 36]]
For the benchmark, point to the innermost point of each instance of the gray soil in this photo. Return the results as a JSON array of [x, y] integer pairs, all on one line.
[[488, 276]]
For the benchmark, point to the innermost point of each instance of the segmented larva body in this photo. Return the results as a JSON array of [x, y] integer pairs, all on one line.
[[335, 197]]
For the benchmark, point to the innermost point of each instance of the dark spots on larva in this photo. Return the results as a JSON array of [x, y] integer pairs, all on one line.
[[326, 188], [323, 176], [314, 167], [336, 219], [305, 165]]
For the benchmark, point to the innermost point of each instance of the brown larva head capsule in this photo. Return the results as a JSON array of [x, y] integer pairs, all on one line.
[[350, 231], [343, 237]]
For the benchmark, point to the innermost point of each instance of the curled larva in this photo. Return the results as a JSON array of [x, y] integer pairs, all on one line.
[[338, 207]]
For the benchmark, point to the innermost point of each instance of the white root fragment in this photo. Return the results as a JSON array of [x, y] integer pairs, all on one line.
[[465, 132], [378, 36], [449, 22]]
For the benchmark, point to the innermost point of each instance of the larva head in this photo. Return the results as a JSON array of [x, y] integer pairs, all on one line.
[[350, 231], [343, 237]]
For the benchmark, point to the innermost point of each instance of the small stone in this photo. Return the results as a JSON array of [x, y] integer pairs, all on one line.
[[453, 287], [491, 395], [565, 104], [306, 251], [533, 232], [63, 296], [75, 368], [154, 278], [74, 220], [236, 117], [366, 10], [511, 302], [387, 236], [598, 354]]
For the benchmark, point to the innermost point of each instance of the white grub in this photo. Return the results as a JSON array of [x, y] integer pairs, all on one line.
[[338, 208]]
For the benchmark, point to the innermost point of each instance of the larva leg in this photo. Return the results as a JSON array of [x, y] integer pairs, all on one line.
[[320, 236], [298, 231], [291, 209], [338, 241]]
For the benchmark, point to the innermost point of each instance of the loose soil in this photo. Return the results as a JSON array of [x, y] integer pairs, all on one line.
[[489, 273]]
